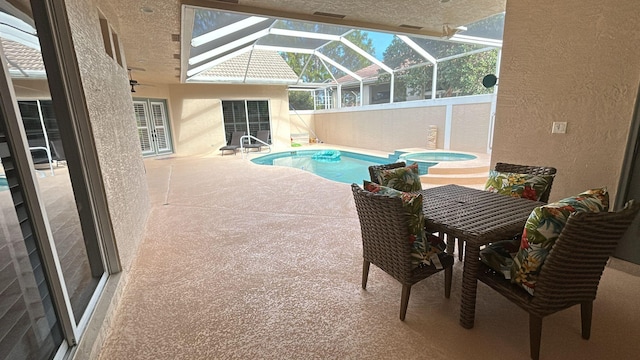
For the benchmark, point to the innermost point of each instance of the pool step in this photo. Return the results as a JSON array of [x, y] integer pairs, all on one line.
[[456, 173]]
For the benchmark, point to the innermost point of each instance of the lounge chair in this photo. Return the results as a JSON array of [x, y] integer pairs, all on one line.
[[263, 137], [234, 144]]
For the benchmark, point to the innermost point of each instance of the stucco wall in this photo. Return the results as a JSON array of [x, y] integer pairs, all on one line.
[[406, 125], [470, 127], [303, 122], [32, 89], [576, 61], [196, 114], [108, 99]]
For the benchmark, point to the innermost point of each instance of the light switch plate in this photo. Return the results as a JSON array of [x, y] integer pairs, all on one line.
[[559, 127]]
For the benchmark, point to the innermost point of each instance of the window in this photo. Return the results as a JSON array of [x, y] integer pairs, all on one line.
[[245, 115], [110, 40]]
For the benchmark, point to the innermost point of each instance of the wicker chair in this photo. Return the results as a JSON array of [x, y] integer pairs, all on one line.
[[519, 169], [571, 273], [384, 226], [377, 168], [533, 170]]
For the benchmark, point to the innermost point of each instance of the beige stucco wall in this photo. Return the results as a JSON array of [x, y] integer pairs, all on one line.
[[470, 127], [576, 61], [303, 122], [398, 127], [31, 89], [196, 114], [384, 130], [112, 119]]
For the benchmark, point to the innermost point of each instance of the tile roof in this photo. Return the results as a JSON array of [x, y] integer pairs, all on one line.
[[367, 73], [263, 65], [22, 57]]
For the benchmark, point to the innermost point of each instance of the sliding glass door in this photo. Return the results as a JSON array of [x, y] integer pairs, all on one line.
[[243, 115], [52, 262]]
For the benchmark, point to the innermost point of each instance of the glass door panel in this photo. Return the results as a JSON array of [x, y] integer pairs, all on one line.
[[144, 128], [160, 128], [29, 326], [80, 271]]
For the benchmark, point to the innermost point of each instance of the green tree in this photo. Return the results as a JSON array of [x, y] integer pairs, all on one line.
[[461, 76], [315, 71], [300, 100]]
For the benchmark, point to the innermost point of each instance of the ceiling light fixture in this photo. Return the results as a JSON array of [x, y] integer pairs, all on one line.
[[146, 10]]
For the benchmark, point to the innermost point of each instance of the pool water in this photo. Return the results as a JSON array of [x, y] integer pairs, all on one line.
[[4, 185], [351, 168]]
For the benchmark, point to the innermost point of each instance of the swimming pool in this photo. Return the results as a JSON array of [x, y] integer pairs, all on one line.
[[350, 168]]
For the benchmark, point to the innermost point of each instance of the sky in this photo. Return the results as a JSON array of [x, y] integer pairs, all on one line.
[[380, 42]]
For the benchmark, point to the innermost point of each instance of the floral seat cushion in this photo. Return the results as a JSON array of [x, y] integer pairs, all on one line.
[[424, 248], [518, 185], [404, 179], [542, 229], [499, 255]]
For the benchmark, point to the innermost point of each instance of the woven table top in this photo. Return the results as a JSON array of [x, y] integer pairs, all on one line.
[[475, 215]]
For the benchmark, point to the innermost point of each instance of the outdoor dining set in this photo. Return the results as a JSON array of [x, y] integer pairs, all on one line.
[[544, 257]]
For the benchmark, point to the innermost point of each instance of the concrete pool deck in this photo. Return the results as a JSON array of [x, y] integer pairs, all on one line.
[[247, 261]]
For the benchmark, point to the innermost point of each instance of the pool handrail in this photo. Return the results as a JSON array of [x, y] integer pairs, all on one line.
[[248, 137]]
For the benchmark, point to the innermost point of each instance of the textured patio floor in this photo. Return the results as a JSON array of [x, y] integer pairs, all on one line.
[[247, 261]]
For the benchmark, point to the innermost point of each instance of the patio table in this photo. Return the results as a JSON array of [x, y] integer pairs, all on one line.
[[478, 218]]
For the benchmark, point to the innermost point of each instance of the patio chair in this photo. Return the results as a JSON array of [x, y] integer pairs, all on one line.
[[375, 169], [571, 273], [531, 170], [234, 144], [384, 224], [519, 169], [263, 136]]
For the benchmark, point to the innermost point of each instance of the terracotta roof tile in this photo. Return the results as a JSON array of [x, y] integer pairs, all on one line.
[[264, 65], [367, 73], [24, 57]]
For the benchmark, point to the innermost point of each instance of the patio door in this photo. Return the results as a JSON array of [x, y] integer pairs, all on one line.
[[153, 126]]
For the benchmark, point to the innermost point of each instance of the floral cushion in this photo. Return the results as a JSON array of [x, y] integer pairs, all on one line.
[[499, 255], [518, 185], [543, 227], [403, 179], [423, 247]]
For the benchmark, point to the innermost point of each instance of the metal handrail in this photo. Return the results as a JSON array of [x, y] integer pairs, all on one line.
[[48, 152], [249, 137]]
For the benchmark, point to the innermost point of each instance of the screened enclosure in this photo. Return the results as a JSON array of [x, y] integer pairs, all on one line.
[[329, 66]]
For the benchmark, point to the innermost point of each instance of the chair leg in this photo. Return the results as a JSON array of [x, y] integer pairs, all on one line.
[[535, 334], [365, 273], [460, 249], [586, 311], [406, 291], [448, 275]]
